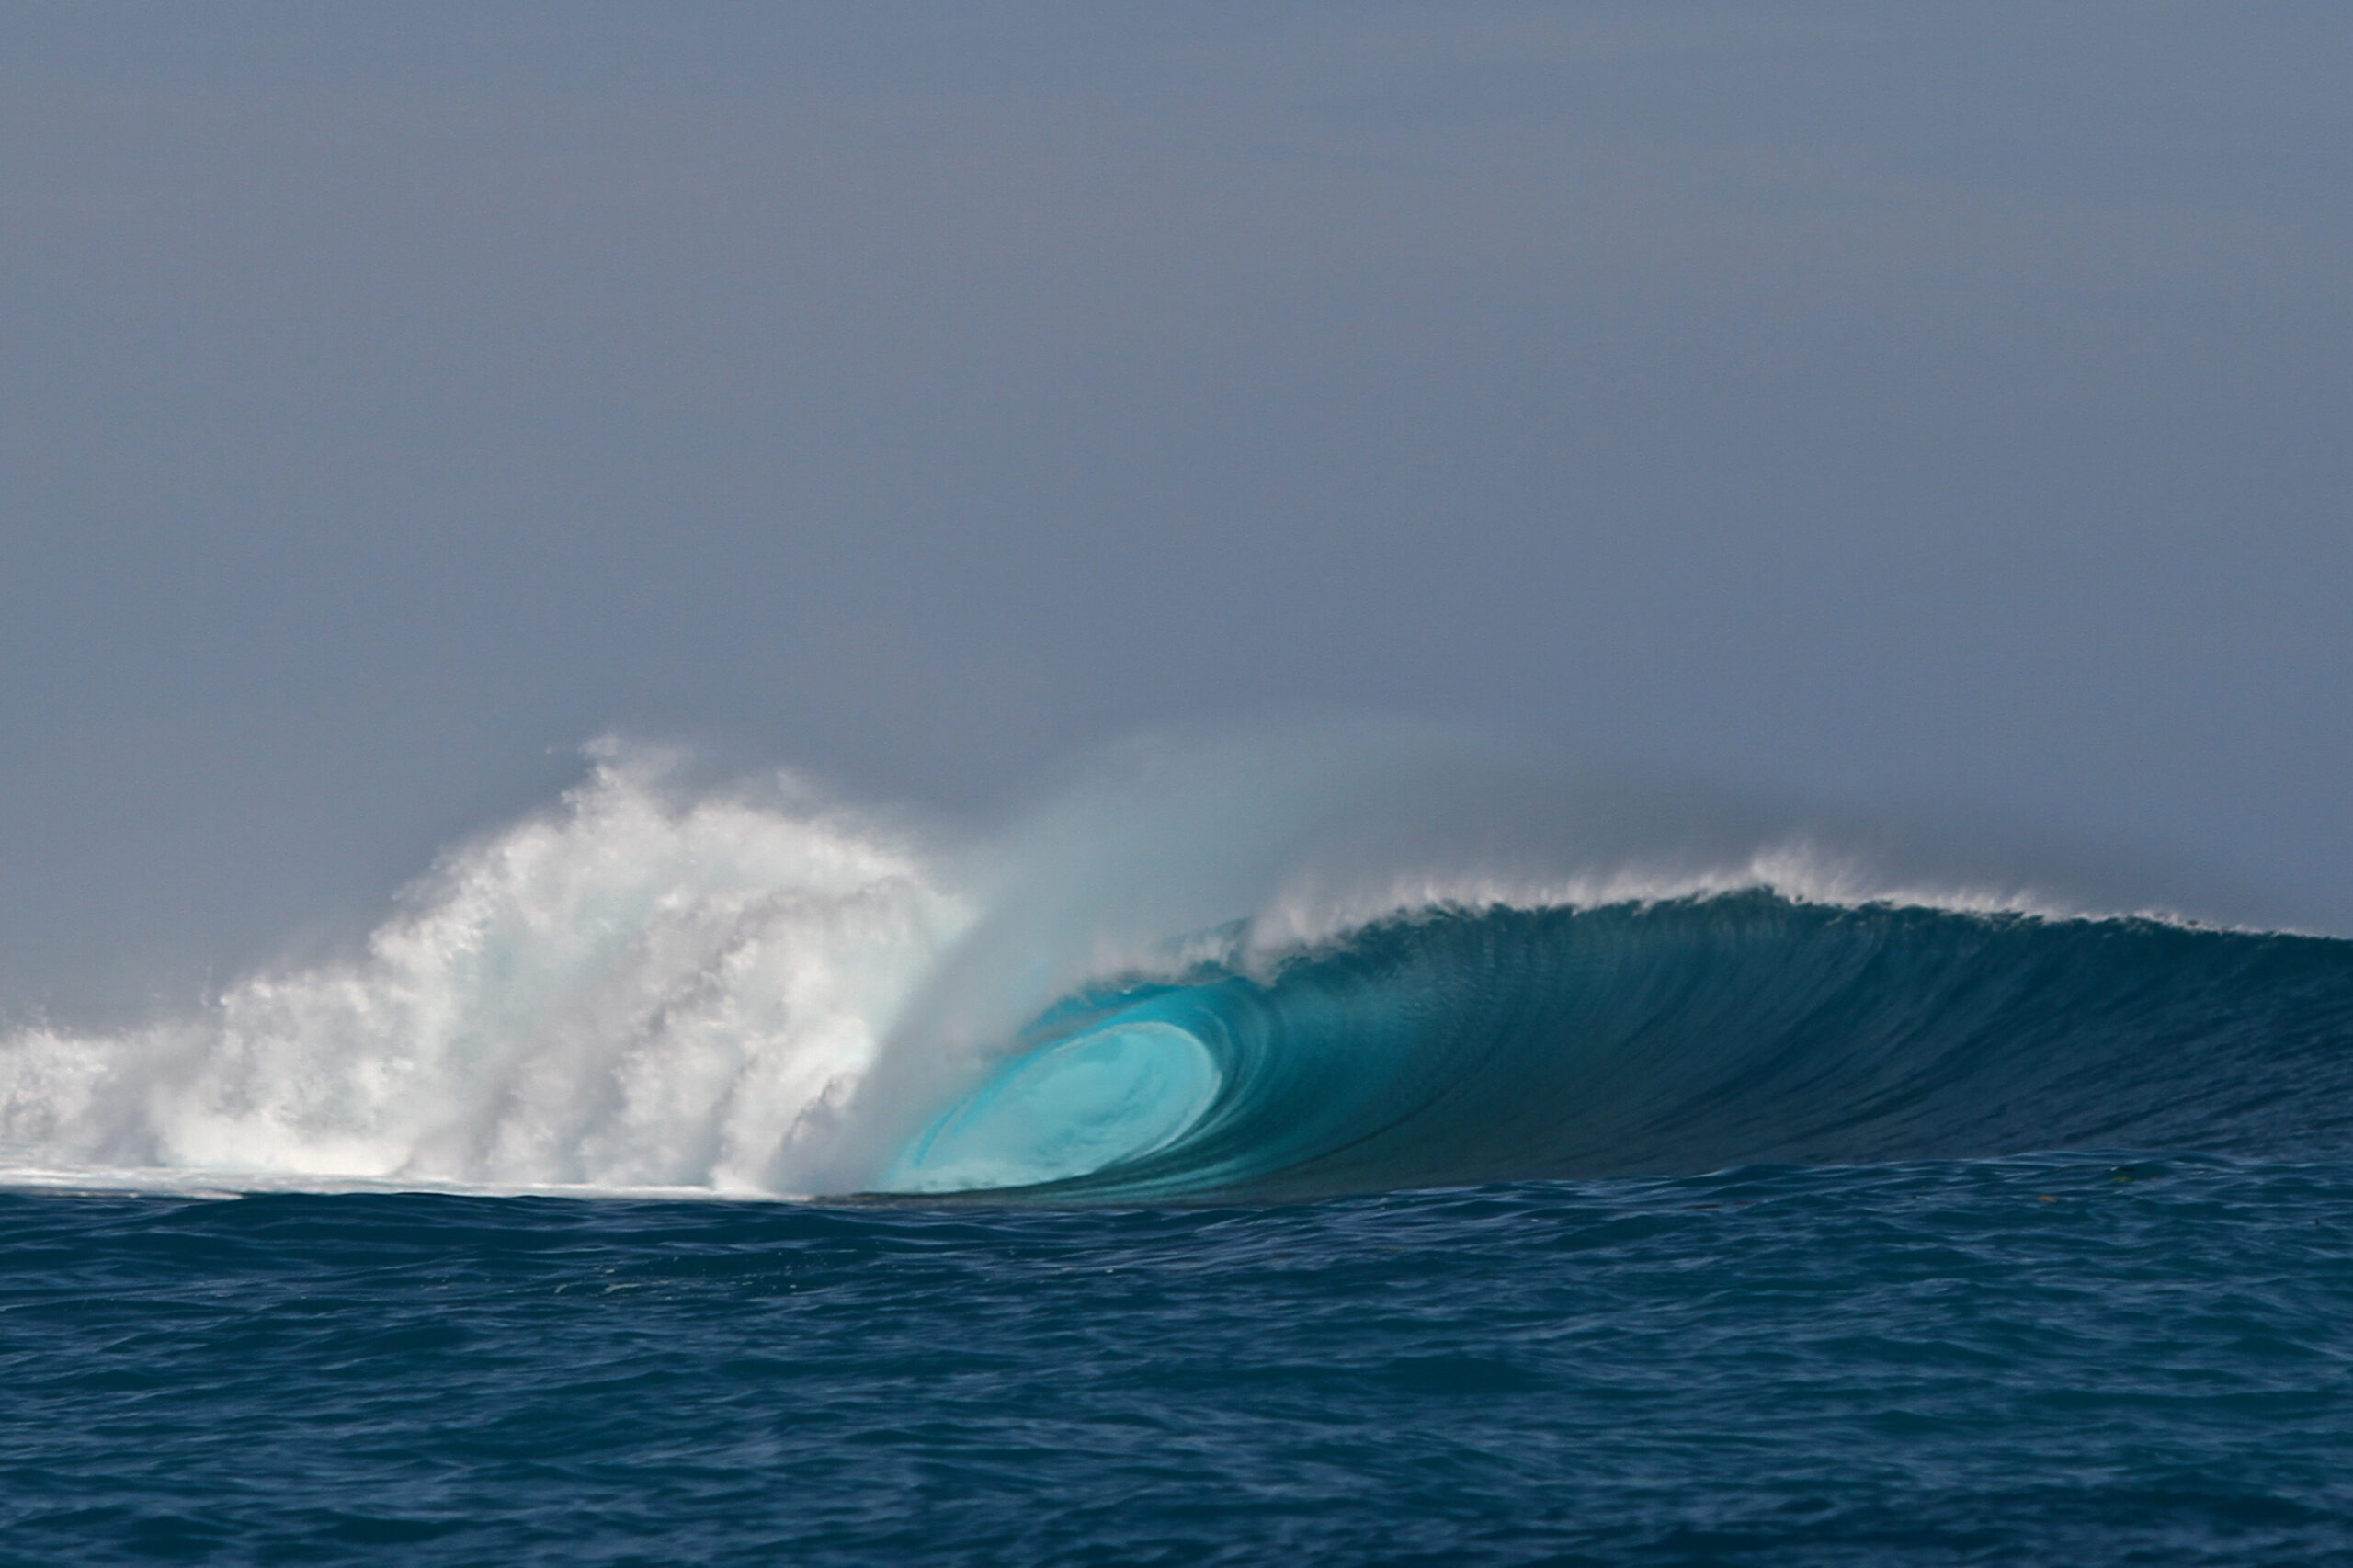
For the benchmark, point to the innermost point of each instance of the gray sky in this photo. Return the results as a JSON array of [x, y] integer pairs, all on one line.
[[1933, 408]]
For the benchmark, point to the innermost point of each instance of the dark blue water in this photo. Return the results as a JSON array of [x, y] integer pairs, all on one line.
[[2058, 1359]]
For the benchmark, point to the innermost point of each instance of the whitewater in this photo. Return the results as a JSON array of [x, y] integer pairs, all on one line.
[[1234, 970]]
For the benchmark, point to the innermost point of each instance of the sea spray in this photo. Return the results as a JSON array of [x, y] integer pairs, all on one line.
[[643, 987]]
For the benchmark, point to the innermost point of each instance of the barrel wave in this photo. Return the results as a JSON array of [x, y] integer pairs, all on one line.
[[1247, 973], [1455, 1045]]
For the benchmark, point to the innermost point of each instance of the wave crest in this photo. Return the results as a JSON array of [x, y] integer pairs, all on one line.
[[1458, 1046]]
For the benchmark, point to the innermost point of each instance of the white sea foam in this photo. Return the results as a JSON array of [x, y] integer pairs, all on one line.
[[638, 989]]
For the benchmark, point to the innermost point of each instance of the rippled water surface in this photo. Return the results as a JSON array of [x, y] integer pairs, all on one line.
[[2090, 1359]]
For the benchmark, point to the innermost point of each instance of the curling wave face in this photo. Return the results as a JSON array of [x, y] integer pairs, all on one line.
[[1455, 1046], [1189, 999]]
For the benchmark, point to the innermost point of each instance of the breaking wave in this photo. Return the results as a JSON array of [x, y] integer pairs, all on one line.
[[1236, 974], [1452, 1045]]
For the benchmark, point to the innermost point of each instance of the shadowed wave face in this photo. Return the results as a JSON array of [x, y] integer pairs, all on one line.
[[1464, 1046]]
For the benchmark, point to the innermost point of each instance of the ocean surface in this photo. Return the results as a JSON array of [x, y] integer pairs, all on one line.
[[713, 1176], [2065, 1359]]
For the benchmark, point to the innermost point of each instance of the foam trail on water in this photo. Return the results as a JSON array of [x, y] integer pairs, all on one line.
[[637, 989]]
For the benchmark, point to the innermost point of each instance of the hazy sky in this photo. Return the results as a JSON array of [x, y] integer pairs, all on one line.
[[1931, 407]]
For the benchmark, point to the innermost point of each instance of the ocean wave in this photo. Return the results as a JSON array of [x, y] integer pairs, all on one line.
[[1460, 1045], [1236, 973]]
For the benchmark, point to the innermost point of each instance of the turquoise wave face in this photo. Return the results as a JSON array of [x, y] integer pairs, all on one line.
[[1099, 1100], [1469, 1046]]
